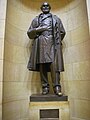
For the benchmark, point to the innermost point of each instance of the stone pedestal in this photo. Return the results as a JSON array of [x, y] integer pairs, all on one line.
[[49, 107]]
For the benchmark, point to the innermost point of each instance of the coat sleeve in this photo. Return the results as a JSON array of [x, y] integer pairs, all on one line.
[[32, 29], [61, 27], [62, 30]]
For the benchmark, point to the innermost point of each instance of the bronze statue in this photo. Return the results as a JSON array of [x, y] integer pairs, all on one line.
[[46, 56]]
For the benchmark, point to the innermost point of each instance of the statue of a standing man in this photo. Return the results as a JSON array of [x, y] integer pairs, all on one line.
[[46, 55]]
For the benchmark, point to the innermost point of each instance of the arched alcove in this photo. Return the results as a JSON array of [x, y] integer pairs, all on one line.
[[19, 83]]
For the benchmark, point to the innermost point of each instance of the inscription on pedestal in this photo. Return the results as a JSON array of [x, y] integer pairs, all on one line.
[[49, 107], [49, 114]]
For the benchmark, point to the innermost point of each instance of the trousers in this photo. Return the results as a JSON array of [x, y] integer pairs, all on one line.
[[55, 75]]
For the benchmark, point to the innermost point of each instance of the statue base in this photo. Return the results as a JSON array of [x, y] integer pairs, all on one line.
[[48, 97], [49, 107]]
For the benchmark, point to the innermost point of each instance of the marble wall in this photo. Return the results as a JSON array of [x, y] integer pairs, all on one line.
[[19, 83], [3, 4], [77, 58], [88, 11]]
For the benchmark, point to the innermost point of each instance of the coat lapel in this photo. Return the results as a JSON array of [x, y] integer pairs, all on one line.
[[43, 17]]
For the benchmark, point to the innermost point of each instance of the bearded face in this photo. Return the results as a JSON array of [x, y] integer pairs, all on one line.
[[45, 8]]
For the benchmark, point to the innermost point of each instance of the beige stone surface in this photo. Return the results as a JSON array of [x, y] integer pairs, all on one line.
[[79, 89], [75, 118], [77, 16], [65, 88], [19, 82], [89, 26], [74, 4], [79, 34], [18, 20], [81, 70], [1, 70], [16, 54], [67, 42], [88, 8], [24, 109], [81, 109], [34, 5], [68, 74], [2, 28], [18, 108], [77, 53], [17, 36], [1, 49], [1, 87], [3, 4], [11, 110], [88, 12], [0, 112], [16, 72], [63, 107], [15, 91]]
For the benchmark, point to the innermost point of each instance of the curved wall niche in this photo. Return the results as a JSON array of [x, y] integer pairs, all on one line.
[[19, 83]]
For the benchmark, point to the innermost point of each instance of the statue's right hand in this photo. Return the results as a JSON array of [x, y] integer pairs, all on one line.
[[41, 29]]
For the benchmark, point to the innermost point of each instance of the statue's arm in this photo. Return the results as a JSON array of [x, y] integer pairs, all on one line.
[[32, 29], [62, 30], [35, 29]]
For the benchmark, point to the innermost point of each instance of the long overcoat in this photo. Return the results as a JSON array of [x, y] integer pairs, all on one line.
[[58, 35]]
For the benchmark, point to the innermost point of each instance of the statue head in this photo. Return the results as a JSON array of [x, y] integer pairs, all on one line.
[[45, 7]]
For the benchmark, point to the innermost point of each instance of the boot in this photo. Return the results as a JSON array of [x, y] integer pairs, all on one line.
[[45, 90], [57, 90]]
